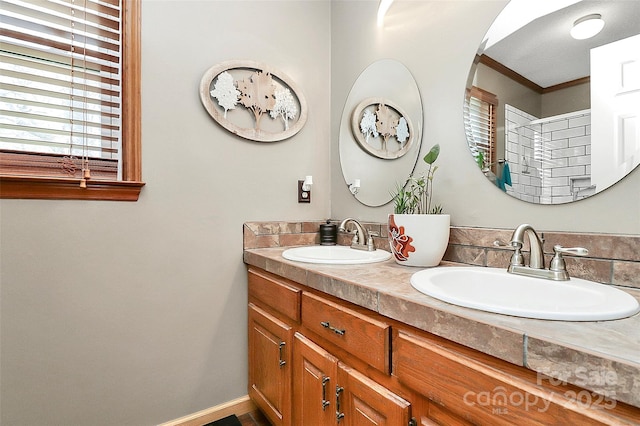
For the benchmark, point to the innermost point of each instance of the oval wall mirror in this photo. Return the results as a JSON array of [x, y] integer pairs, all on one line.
[[549, 118], [380, 132]]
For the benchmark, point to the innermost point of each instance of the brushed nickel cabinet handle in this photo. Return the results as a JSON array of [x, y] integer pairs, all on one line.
[[338, 331], [325, 402], [281, 361], [339, 415]]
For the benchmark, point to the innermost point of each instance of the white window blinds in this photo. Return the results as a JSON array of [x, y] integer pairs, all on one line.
[[60, 87], [480, 117]]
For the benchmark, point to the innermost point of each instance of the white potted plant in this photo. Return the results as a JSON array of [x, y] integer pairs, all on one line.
[[418, 231]]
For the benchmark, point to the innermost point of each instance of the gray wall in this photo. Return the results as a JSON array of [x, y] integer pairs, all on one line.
[[437, 41], [134, 313]]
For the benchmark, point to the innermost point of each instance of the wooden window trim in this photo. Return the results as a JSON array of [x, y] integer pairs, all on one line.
[[484, 95], [492, 100], [128, 189]]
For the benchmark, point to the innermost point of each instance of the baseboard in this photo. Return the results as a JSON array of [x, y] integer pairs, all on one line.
[[238, 407]]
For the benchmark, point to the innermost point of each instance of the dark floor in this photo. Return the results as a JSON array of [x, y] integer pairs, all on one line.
[[255, 418]]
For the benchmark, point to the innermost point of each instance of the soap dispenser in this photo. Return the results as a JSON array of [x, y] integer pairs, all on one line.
[[328, 234]]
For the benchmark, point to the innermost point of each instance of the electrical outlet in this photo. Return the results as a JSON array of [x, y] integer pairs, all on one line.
[[303, 196]]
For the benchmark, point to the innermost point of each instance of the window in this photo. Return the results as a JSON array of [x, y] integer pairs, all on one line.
[[70, 99], [480, 117]]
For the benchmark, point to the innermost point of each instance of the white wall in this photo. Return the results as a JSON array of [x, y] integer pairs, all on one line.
[[135, 313], [437, 41]]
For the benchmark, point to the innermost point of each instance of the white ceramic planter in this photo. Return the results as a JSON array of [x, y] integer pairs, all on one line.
[[418, 239]]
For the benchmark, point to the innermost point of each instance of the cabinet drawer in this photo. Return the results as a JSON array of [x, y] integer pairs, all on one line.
[[481, 393], [360, 335], [275, 293]]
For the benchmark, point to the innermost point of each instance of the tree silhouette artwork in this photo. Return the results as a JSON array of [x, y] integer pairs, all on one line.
[[402, 130], [225, 92], [368, 125], [386, 124], [238, 94], [375, 122], [257, 93], [285, 106]]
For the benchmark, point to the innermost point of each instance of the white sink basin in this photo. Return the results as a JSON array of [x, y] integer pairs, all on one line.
[[496, 290], [338, 255]]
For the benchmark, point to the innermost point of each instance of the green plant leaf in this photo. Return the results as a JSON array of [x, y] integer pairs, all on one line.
[[480, 159], [415, 196], [431, 172], [401, 199], [432, 155]]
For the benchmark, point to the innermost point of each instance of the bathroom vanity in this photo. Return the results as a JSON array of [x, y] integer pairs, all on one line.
[[356, 345]]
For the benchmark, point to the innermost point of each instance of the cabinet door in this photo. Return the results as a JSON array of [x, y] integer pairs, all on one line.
[[363, 402], [314, 383], [269, 365]]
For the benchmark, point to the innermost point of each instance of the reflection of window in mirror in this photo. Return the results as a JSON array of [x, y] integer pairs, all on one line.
[[482, 125]]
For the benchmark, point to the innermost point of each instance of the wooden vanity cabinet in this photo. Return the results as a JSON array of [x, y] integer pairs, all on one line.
[[481, 390], [316, 360], [327, 391], [296, 381], [274, 312]]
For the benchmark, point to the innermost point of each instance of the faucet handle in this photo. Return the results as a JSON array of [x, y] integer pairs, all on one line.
[[510, 245], [558, 264], [355, 240], [576, 251], [517, 259], [500, 243], [370, 243]]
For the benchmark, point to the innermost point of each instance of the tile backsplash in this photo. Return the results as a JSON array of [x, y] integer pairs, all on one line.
[[612, 259]]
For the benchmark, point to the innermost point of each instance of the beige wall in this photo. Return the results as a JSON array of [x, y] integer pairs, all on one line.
[[574, 98], [437, 41], [134, 313], [508, 92]]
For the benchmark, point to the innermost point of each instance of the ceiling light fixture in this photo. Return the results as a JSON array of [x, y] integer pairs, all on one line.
[[382, 10], [587, 26]]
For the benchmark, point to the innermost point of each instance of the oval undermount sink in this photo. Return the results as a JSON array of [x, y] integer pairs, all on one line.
[[337, 255], [496, 290]]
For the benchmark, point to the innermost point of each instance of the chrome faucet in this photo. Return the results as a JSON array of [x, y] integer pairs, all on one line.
[[557, 269], [361, 239]]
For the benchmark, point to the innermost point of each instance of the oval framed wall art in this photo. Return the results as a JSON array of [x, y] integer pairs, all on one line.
[[253, 100], [382, 128]]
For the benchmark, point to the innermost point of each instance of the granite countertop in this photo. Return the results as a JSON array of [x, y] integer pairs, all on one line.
[[600, 356]]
